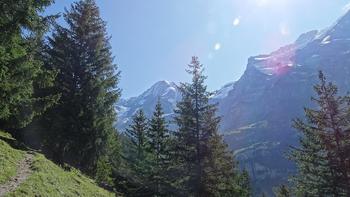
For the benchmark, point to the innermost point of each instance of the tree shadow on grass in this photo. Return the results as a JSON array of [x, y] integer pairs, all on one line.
[[15, 144]]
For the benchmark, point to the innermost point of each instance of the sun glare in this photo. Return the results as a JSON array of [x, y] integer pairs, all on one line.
[[262, 2], [217, 46], [236, 21]]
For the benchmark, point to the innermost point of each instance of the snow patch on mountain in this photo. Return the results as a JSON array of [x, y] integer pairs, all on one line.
[[281, 60], [167, 93], [224, 91]]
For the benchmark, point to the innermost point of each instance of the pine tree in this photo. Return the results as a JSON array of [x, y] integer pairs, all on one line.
[[21, 66], [136, 133], [159, 147], [79, 128], [244, 187], [323, 156], [104, 171], [138, 160], [206, 167], [109, 163]]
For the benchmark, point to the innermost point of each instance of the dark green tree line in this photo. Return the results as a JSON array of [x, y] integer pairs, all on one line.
[[147, 155]]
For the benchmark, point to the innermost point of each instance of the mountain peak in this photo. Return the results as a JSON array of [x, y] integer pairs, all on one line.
[[160, 89], [305, 38], [338, 31], [166, 91], [223, 91], [163, 82]]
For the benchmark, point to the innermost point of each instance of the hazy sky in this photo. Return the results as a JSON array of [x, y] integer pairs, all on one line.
[[154, 40]]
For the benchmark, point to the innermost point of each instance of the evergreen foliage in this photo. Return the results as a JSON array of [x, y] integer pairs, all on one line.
[[159, 147], [137, 157], [205, 166], [80, 130], [323, 156], [21, 67], [283, 191], [137, 136], [104, 171], [243, 184]]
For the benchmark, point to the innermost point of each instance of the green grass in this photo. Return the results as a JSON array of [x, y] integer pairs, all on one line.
[[47, 179], [9, 158], [6, 135]]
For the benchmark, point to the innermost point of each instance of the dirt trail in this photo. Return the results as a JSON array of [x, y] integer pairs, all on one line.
[[23, 171]]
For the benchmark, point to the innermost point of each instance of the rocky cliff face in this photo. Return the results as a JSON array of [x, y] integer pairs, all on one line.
[[257, 111]]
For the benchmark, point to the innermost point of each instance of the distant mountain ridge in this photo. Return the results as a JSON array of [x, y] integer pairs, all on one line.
[[167, 92], [257, 110]]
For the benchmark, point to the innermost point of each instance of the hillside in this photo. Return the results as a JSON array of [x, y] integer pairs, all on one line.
[[27, 173]]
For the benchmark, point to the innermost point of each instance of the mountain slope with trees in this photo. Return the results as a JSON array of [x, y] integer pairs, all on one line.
[[257, 110]]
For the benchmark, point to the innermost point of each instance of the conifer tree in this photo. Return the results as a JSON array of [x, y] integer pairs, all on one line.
[[136, 134], [206, 167], [159, 147], [243, 184], [323, 156], [137, 168], [79, 128], [21, 66]]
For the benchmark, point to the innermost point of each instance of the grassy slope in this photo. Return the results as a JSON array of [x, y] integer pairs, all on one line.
[[9, 157], [47, 179]]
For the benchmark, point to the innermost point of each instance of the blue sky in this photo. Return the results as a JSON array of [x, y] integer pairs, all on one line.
[[154, 40]]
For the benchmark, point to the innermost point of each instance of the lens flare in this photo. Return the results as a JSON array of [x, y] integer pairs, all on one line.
[[236, 21], [217, 46]]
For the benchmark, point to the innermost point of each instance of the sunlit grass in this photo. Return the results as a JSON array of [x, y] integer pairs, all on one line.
[[50, 180], [9, 158], [46, 178]]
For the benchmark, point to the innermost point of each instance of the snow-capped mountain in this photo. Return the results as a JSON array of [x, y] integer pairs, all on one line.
[[165, 91], [257, 110], [223, 92]]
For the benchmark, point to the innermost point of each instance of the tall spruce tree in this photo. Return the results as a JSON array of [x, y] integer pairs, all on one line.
[[137, 158], [159, 148], [323, 157], [80, 128], [205, 166], [21, 67], [137, 136]]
